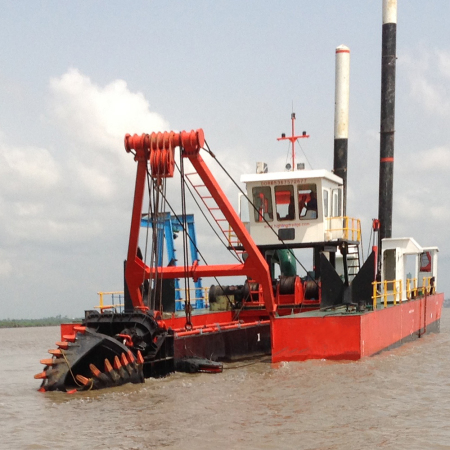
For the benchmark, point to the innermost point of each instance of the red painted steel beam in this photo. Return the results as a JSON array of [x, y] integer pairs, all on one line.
[[134, 266], [196, 271], [158, 149]]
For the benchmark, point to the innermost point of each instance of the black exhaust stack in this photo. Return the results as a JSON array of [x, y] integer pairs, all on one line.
[[387, 119]]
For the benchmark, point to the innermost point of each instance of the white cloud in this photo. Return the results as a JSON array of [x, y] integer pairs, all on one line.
[[443, 58], [421, 196], [429, 75], [436, 159], [96, 119], [28, 168], [100, 116], [96, 182], [61, 193]]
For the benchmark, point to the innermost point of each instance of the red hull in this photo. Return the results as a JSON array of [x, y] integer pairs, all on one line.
[[324, 335], [353, 336]]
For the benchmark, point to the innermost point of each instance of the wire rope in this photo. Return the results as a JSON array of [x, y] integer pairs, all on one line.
[[185, 229], [187, 303], [207, 220], [256, 209], [304, 154]]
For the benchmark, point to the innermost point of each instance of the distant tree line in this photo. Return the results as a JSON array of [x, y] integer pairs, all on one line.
[[45, 322]]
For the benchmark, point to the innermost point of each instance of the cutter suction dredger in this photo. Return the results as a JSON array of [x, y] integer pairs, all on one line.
[[345, 308]]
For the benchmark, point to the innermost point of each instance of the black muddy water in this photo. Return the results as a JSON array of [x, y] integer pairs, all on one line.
[[399, 399]]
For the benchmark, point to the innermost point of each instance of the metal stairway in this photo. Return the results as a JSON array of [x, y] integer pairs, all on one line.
[[215, 212]]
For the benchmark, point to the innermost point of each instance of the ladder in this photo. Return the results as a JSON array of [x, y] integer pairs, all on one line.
[[215, 212], [353, 261]]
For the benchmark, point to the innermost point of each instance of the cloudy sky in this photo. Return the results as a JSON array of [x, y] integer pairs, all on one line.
[[76, 76]]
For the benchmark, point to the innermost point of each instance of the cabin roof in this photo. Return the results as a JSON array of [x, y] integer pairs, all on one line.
[[408, 245], [295, 175]]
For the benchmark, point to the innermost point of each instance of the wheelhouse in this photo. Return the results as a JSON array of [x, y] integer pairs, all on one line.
[[299, 207]]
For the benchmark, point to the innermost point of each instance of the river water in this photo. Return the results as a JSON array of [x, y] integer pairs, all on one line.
[[399, 399]]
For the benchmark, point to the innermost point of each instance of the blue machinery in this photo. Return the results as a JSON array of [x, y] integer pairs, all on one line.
[[167, 227]]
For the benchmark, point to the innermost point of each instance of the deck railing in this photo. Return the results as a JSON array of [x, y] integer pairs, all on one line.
[[391, 291], [197, 302], [412, 290], [387, 291], [117, 298], [347, 228]]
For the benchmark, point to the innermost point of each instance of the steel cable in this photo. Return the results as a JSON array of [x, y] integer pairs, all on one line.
[[255, 208]]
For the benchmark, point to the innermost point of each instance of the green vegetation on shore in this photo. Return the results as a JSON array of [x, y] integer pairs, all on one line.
[[45, 322]]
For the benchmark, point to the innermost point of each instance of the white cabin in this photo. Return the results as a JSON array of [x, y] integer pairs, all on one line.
[[395, 255], [303, 206]]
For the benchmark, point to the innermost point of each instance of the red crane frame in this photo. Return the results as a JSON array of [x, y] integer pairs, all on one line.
[[158, 150]]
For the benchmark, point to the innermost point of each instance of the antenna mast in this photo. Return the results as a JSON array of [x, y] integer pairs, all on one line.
[[293, 138]]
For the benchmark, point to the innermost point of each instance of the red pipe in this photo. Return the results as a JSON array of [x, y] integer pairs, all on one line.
[[218, 328]]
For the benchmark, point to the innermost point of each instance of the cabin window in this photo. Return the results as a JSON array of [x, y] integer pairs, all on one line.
[[325, 203], [284, 199], [307, 201], [243, 208], [337, 203], [262, 199], [425, 262]]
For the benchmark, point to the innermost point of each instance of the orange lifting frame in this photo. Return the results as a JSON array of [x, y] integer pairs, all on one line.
[[158, 149]]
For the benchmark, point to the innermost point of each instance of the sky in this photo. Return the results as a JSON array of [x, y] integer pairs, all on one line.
[[76, 76]]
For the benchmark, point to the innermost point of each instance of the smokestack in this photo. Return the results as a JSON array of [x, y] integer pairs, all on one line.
[[342, 95], [387, 118]]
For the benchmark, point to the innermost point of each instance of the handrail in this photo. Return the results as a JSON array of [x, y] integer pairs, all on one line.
[[351, 227], [384, 293], [187, 294], [427, 287], [101, 306], [388, 289]]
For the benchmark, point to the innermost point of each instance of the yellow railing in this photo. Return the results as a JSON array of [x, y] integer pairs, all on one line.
[[348, 227], [118, 307], [190, 294], [101, 306], [392, 290], [185, 294], [412, 290]]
